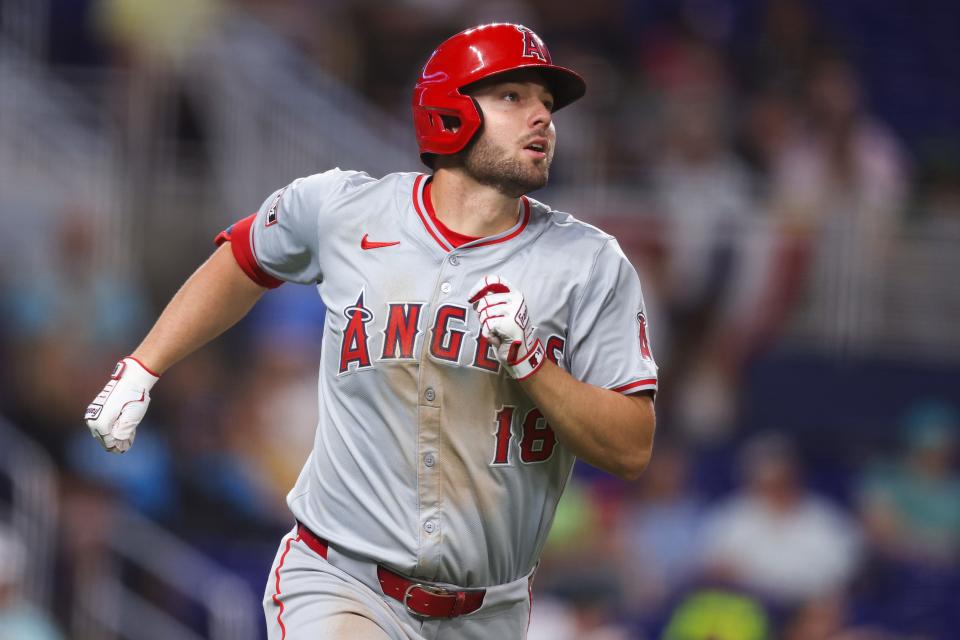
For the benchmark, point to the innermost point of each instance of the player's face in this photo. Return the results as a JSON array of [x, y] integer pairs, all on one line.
[[515, 147]]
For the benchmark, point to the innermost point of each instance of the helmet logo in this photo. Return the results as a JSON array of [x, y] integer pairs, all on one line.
[[533, 47]]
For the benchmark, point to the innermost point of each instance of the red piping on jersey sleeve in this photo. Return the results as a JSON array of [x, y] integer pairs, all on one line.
[[639, 385], [241, 243]]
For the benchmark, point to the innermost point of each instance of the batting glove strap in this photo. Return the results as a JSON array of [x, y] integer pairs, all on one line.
[[134, 371], [528, 364]]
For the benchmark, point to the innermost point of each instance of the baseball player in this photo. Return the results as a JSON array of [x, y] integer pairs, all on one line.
[[476, 343]]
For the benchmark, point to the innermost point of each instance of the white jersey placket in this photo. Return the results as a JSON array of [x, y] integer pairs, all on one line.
[[431, 405]]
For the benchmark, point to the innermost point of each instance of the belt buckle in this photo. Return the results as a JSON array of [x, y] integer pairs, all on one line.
[[437, 591]]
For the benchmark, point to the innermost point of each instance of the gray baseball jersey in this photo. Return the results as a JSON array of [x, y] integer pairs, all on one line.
[[428, 458]]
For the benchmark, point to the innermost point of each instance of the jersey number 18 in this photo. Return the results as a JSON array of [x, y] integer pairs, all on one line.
[[537, 440]]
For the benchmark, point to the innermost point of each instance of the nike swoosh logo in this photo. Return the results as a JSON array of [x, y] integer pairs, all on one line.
[[370, 244]]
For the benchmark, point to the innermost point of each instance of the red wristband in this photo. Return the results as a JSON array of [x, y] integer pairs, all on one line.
[[528, 364]]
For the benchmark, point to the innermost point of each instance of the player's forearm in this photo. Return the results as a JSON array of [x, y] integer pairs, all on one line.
[[212, 300], [607, 429]]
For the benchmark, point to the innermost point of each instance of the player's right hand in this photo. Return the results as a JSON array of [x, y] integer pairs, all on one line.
[[114, 414], [505, 322]]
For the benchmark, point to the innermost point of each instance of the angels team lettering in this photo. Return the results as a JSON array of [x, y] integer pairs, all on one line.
[[533, 47], [447, 340], [401, 326], [354, 348], [400, 334]]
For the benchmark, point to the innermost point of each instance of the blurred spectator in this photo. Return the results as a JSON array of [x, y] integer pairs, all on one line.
[[659, 531], [272, 420], [144, 478], [939, 197], [156, 34], [841, 182], [150, 44], [790, 40], [772, 121], [68, 293], [911, 506], [577, 540], [272, 413], [579, 573], [64, 306], [716, 614], [207, 423], [583, 614], [774, 536], [705, 196], [827, 618], [847, 165], [671, 64], [19, 620], [326, 31]]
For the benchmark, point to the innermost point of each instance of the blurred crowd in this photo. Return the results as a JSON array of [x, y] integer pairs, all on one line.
[[710, 119]]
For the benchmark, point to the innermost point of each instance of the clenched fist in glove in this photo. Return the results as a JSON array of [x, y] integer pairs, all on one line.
[[505, 323], [114, 414]]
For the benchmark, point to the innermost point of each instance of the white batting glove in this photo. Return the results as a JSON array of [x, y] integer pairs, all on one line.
[[114, 414], [505, 323]]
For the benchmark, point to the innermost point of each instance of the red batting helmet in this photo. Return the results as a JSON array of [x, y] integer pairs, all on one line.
[[470, 56]]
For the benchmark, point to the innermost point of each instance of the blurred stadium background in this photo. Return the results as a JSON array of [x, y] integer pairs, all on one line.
[[784, 174]]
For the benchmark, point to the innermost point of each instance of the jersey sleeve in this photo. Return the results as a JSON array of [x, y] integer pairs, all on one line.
[[607, 336], [281, 241]]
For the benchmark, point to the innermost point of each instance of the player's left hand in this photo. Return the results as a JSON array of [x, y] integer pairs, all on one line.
[[114, 414], [505, 323]]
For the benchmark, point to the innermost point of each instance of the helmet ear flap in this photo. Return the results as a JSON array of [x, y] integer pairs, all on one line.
[[433, 114]]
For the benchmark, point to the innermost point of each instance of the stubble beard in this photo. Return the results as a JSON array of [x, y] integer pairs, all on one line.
[[491, 165]]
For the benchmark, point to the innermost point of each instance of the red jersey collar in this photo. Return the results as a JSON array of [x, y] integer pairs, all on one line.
[[455, 238], [449, 239]]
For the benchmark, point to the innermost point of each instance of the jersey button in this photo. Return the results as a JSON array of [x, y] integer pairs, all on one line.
[[454, 260], [430, 394], [445, 287], [429, 526], [429, 460]]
